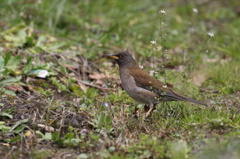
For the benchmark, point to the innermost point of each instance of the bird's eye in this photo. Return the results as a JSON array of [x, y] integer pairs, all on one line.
[[121, 55]]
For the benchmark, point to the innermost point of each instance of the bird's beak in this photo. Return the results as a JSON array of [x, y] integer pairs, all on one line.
[[112, 56]]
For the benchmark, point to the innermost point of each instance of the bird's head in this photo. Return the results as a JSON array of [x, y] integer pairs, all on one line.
[[123, 59]]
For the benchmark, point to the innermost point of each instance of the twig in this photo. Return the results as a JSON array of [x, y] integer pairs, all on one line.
[[86, 83], [95, 86]]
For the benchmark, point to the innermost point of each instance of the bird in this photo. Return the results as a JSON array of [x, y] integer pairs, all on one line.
[[141, 86]]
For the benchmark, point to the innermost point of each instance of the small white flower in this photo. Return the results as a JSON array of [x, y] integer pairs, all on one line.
[[211, 35], [141, 66], [153, 42], [195, 10], [162, 12], [164, 86]]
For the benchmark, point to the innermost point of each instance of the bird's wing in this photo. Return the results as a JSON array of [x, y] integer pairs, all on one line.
[[144, 80]]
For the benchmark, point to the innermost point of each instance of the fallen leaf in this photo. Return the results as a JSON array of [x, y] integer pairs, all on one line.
[[198, 79], [180, 68], [29, 88], [99, 82], [47, 128], [71, 67], [83, 87], [14, 88], [98, 76], [5, 144], [222, 61]]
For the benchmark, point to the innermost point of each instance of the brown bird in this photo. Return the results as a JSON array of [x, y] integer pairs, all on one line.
[[142, 87]]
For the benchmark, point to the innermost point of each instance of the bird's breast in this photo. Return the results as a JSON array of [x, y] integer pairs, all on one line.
[[139, 94]]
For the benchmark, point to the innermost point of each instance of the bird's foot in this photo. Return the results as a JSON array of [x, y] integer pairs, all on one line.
[[149, 109], [137, 113]]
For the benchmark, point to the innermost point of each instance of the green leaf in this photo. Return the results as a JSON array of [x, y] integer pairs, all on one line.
[[55, 136], [6, 114], [10, 81], [48, 136], [179, 149], [28, 66], [101, 120], [15, 28], [82, 156], [3, 127], [12, 62], [19, 123], [8, 92], [20, 128], [72, 142], [1, 63], [69, 136], [7, 58], [108, 122], [60, 85], [57, 45], [15, 139], [40, 133]]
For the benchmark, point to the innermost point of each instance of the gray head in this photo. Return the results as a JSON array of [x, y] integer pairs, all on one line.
[[124, 59]]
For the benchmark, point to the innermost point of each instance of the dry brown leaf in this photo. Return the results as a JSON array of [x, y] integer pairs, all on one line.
[[99, 82], [222, 61], [98, 76], [71, 67], [14, 88], [29, 88], [180, 68], [83, 87], [47, 128], [198, 79]]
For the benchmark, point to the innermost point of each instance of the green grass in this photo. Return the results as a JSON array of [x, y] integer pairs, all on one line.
[[80, 110]]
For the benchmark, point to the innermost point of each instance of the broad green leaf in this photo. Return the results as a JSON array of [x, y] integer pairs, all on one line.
[[108, 123], [1, 62], [28, 66], [40, 133], [19, 123], [101, 120], [82, 156], [20, 128], [15, 28], [10, 81], [4, 128], [8, 92], [14, 139], [55, 136], [48, 136], [6, 114]]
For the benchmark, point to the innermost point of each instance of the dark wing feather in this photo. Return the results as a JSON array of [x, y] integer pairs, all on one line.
[[144, 80]]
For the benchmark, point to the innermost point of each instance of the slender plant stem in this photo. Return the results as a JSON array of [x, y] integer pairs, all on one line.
[[192, 67], [163, 47]]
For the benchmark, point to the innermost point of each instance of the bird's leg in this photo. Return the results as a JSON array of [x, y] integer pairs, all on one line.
[[151, 107], [137, 112]]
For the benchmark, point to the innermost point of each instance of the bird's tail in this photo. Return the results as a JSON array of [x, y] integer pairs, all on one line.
[[174, 96]]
